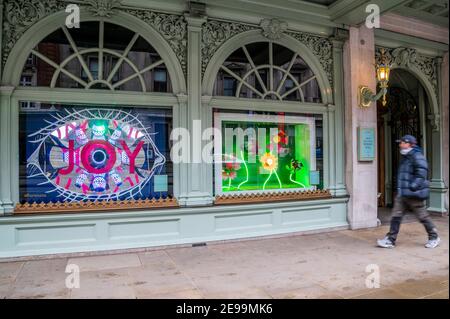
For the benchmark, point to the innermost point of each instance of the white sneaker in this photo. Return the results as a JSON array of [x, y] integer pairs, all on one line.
[[433, 243], [385, 243]]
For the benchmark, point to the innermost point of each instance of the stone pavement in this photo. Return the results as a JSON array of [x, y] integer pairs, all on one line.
[[326, 265]]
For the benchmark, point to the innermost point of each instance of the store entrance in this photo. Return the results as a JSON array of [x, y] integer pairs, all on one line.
[[404, 113]]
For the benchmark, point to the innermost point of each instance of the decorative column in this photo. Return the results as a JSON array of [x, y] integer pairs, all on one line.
[[445, 124], [194, 190], [337, 138], [180, 169], [208, 138], [438, 190], [361, 177], [1, 41], [6, 198]]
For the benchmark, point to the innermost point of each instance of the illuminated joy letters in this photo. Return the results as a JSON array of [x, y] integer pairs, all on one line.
[[94, 154]]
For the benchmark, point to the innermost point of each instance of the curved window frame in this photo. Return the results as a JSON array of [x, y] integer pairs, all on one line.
[[271, 66], [100, 50]]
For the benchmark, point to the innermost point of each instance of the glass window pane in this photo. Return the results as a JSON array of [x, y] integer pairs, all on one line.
[[133, 84], [160, 76], [229, 86], [311, 91], [264, 151], [266, 80], [281, 55], [160, 80], [94, 153], [57, 48], [259, 52]]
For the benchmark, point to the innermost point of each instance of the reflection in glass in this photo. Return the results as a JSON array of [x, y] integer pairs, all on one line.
[[265, 70], [98, 55]]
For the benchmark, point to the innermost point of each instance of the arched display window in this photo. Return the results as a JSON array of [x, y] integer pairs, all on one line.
[[80, 145], [267, 151]]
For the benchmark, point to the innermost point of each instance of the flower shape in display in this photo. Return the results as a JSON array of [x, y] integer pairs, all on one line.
[[269, 161], [294, 166], [279, 144], [230, 170]]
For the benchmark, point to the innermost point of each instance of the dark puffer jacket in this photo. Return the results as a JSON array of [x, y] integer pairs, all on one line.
[[412, 180]]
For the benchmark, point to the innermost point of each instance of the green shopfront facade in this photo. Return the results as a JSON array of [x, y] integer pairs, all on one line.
[[88, 115]]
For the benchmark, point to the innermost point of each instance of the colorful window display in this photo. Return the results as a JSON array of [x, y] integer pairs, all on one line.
[[73, 153], [268, 152]]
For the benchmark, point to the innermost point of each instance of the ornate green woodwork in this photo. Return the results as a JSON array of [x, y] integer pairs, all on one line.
[[20, 15], [215, 33], [322, 48], [409, 58], [172, 27]]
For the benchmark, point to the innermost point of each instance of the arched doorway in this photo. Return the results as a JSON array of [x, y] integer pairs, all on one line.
[[405, 113]]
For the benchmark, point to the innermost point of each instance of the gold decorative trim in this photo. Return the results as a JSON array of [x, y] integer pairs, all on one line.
[[271, 197], [364, 97], [77, 207]]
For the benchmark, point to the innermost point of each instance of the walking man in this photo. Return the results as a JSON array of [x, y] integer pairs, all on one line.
[[413, 189]]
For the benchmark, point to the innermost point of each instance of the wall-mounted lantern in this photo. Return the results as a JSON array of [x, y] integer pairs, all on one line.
[[365, 95]]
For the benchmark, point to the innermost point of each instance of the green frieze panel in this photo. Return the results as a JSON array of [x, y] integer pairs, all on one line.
[[103, 8], [20, 15], [172, 27], [215, 33]]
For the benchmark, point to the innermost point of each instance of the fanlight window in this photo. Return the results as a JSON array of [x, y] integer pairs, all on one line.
[[266, 70], [98, 55]]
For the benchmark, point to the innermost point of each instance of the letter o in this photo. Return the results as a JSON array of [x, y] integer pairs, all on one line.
[[87, 150]]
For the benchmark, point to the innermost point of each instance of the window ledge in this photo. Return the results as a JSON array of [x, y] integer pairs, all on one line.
[[96, 206], [271, 197]]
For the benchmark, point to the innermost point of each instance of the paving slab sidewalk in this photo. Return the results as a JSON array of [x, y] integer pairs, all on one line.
[[325, 265]]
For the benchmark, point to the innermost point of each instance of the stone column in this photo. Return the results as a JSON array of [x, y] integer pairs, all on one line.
[[361, 177], [445, 124], [337, 138], [438, 190], [6, 198], [1, 41], [181, 169], [195, 191], [208, 138]]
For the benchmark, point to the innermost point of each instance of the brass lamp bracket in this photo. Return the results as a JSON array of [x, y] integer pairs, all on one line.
[[366, 96]]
